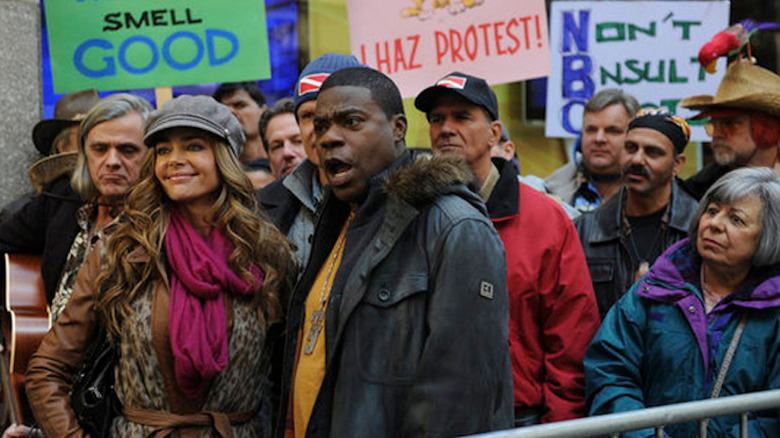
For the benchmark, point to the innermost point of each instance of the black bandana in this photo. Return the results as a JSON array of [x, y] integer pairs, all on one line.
[[674, 128]]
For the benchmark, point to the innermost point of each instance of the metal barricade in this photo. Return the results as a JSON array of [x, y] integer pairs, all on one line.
[[656, 417]]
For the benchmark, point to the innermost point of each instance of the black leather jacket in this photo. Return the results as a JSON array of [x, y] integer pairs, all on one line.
[[698, 184], [606, 247], [416, 327]]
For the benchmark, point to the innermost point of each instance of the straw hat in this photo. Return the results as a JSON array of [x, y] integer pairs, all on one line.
[[49, 168], [69, 111], [744, 86]]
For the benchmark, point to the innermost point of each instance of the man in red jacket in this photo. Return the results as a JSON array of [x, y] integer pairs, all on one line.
[[552, 308]]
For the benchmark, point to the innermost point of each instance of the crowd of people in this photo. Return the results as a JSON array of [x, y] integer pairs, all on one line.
[[297, 271]]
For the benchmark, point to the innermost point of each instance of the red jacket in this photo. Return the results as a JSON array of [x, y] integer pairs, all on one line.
[[552, 308]]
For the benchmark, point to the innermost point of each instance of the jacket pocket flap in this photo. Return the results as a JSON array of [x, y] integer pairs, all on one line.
[[601, 271], [388, 291]]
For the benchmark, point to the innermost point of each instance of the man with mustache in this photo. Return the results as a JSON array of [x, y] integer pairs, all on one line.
[[624, 236], [398, 327], [744, 122]]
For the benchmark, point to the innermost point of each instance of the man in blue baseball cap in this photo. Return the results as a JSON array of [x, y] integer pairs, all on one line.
[[293, 201]]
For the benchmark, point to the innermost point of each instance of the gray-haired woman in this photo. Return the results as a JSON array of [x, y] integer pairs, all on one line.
[[665, 341]]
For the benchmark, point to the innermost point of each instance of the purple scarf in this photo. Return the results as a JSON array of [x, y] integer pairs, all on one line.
[[197, 319]]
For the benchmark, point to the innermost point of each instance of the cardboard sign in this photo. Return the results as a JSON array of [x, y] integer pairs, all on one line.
[[124, 44], [647, 48], [416, 42]]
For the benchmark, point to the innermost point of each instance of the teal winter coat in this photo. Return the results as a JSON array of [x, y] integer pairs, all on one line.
[[657, 345]]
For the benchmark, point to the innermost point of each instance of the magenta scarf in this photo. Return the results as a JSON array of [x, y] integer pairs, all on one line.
[[197, 325]]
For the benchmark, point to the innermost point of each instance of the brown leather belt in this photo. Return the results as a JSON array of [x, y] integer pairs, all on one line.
[[166, 423]]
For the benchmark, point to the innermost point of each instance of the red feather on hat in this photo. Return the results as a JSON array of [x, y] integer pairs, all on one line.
[[730, 41]]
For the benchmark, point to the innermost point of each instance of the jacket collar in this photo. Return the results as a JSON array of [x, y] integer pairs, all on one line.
[[301, 183], [681, 214], [377, 192], [504, 201], [398, 194], [675, 275], [609, 216], [422, 178]]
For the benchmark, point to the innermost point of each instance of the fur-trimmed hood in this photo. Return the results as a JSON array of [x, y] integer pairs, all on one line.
[[427, 177]]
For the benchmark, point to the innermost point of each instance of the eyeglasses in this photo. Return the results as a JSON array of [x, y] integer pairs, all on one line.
[[727, 126]]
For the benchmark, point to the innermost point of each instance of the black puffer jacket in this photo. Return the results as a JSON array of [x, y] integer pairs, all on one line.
[[698, 184], [417, 323], [45, 226], [606, 245]]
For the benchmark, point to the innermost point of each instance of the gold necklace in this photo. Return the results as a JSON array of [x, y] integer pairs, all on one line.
[[318, 316]]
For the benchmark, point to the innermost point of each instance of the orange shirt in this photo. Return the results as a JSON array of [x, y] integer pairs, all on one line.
[[310, 354]]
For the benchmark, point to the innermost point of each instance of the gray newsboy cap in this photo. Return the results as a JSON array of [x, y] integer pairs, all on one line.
[[199, 112]]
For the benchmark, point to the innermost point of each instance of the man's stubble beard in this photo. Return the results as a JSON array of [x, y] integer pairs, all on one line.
[[726, 155]]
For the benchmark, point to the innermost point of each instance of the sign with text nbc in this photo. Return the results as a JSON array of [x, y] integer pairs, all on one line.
[[417, 42], [647, 48]]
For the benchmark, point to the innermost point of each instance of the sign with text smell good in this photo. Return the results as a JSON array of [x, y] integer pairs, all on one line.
[[646, 48], [129, 44], [416, 42]]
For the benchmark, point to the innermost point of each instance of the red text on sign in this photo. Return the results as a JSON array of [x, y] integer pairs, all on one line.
[[498, 38], [392, 56]]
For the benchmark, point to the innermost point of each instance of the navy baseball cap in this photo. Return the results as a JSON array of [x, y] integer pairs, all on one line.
[[472, 88]]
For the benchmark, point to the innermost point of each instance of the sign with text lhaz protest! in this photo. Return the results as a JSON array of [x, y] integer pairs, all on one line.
[[416, 42], [128, 44], [647, 48]]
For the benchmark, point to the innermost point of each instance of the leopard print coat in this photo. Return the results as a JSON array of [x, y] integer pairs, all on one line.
[[144, 374]]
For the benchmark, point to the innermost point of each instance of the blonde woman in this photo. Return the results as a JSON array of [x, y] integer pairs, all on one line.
[[190, 283]]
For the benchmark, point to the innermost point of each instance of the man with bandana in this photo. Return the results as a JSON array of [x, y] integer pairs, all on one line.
[[649, 213]]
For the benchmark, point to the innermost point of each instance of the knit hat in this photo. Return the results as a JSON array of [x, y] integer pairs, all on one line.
[[675, 128], [473, 89], [314, 74], [199, 112]]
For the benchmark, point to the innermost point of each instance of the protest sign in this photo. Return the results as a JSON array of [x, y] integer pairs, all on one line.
[[416, 42], [647, 48], [124, 44]]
